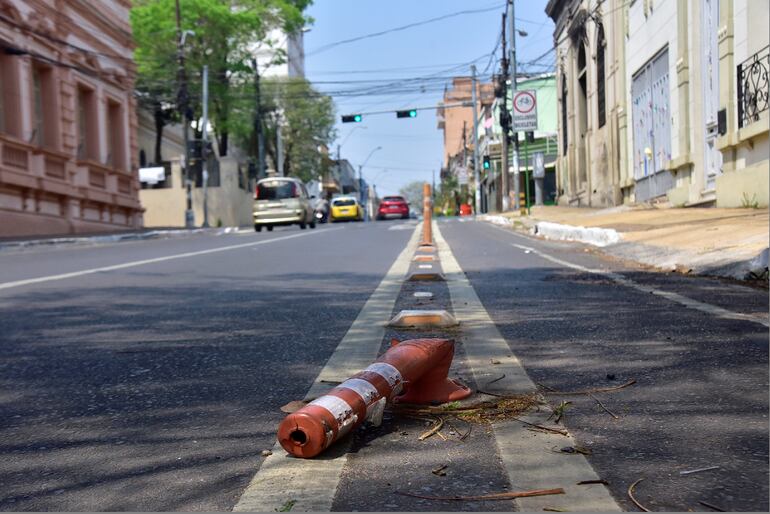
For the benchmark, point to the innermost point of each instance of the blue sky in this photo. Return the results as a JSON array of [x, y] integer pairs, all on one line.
[[411, 148]]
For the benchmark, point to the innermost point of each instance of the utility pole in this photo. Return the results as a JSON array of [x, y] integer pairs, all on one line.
[[339, 164], [433, 184], [361, 185], [464, 164], [278, 146], [258, 124], [475, 140], [182, 102], [204, 148], [516, 186], [505, 123]]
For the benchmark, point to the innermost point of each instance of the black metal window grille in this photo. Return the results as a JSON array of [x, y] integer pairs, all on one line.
[[600, 90], [753, 87], [564, 131]]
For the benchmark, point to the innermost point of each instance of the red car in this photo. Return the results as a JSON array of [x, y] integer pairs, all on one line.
[[393, 207]]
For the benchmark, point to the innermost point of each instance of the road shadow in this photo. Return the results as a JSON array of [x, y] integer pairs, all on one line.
[[152, 395]]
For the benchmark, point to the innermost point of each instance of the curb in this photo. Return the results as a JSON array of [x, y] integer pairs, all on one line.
[[115, 238], [611, 243], [591, 235]]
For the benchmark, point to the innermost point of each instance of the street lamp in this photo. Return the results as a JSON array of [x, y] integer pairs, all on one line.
[[361, 176], [374, 180], [350, 134]]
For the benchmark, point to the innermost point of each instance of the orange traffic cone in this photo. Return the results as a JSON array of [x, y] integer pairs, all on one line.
[[413, 371]]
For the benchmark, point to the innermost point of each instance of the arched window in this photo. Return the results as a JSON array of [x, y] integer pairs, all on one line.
[[564, 133], [601, 102]]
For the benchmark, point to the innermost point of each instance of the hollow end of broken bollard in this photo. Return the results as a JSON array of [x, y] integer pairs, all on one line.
[[303, 434]]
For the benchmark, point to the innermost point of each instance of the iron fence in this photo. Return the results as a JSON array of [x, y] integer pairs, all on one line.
[[753, 87]]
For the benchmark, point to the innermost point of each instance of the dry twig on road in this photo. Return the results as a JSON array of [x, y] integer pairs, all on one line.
[[541, 427], [485, 497], [714, 507], [589, 391], [608, 411], [631, 495], [434, 430], [495, 380]]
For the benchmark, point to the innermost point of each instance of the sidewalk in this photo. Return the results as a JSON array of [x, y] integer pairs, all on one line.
[[723, 242], [15, 243]]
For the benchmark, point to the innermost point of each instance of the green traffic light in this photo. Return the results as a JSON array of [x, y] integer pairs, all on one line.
[[413, 113], [352, 118]]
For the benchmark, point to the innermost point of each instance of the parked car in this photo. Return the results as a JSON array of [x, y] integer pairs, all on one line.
[[346, 208], [282, 201], [393, 207]]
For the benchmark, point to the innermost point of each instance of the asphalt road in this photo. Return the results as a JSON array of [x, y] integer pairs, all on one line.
[[153, 381], [156, 387], [701, 392]]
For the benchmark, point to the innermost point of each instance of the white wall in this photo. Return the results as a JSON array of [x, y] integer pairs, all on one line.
[[290, 48], [648, 36]]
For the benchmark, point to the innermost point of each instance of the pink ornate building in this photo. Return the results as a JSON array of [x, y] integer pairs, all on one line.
[[67, 118]]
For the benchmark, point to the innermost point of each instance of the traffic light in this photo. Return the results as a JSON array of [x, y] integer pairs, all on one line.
[[411, 113], [352, 118], [530, 137], [487, 164], [505, 119]]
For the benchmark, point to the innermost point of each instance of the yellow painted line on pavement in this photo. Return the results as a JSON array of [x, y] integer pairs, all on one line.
[[312, 483], [132, 264], [713, 310], [525, 454]]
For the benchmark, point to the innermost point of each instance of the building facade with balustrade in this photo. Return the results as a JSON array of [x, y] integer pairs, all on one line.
[[663, 100], [67, 118]]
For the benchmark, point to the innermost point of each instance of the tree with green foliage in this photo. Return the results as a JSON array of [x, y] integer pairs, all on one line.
[[226, 33], [307, 123], [413, 194], [448, 196]]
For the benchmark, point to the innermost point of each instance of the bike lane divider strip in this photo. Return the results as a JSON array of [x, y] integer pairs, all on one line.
[[526, 455], [132, 264], [310, 484], [707, 308]]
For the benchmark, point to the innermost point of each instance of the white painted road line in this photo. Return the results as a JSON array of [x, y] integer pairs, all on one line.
[[402, 226], [311, 483], [132, 264], [713, 310], [526, 455]]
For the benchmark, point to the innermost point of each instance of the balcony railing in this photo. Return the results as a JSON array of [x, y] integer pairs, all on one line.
[[753, 87], [15, 155]]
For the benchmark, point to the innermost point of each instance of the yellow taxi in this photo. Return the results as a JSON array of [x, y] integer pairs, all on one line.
[[346, 208]]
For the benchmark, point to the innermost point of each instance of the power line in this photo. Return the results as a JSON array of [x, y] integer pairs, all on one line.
[[397, 29], [385, 70]]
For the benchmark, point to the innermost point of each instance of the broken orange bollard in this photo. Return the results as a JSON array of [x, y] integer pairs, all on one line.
[[427, 215], [413, 371]]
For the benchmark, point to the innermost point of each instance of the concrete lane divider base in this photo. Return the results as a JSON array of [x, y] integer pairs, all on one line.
[[438, 318], [430, 276]]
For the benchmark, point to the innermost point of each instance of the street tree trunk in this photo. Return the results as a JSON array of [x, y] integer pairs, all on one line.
[[160, 122]]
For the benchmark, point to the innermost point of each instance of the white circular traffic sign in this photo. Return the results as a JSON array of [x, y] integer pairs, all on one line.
[[523, 102]]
